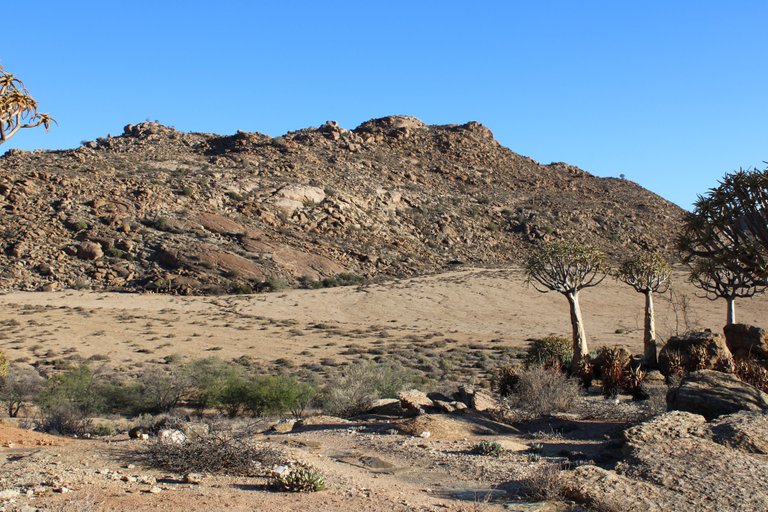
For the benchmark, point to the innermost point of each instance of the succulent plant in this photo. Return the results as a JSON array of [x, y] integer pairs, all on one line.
[[488, 448], [300, 479]]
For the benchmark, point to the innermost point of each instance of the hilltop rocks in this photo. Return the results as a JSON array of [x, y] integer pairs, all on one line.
[[746, 341], [712, 394], [693, 351], [394, 197]]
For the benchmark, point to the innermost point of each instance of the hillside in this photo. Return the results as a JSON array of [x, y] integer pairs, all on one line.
[[159, 209]]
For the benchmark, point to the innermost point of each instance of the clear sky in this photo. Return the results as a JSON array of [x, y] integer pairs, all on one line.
[[672, 94]]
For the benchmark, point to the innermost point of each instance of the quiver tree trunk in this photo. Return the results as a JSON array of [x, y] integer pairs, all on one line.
[[580, 348], [731, 311], [649, 336]]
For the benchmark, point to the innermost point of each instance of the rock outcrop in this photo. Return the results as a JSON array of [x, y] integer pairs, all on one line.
[[161, 210]]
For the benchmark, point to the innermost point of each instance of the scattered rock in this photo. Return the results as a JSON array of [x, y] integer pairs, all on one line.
[[414, 401], [172, 436]]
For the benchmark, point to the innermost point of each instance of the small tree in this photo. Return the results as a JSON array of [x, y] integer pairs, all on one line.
[[729, 282], [647, 273], [567, 268], [18, 109]]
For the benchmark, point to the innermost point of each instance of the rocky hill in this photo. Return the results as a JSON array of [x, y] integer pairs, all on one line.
[[159, 209]]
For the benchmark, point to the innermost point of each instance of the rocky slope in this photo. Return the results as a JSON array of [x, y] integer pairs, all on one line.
[[158, 209]]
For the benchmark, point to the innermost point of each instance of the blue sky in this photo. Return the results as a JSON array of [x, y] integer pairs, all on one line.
[[671, 94]]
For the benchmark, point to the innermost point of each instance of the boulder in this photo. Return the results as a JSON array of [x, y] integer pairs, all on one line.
[[414, 401], [697, 351], [386, 407], [665, 427], [746, 431], [172, 436], [477, 399], [746, 341], [89, 250], [712, 394], [283, 426]]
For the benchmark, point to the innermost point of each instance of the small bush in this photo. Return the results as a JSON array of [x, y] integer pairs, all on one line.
[[278, 394], [544, 482], [3, 365], [488, 448], [352, 393], [612, 364], [752, 372], [506, 379], [300, 479], [218, 451], [69, 399], [19, 387], [542, 391], [551, 351]]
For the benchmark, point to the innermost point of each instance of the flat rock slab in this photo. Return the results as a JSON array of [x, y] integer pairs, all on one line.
[[698, 474]]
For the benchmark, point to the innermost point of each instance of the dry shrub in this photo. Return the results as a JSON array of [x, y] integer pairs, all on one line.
[[541, 391], [544, 482], [223, 451], [752, 372]]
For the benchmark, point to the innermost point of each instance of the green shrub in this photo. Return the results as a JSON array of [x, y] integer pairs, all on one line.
[[208, 378], [274, 395], [551, 351], [488, 448], [68, 400], [611, 364]]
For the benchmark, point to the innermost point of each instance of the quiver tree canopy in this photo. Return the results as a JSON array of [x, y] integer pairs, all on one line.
[[18, 109]]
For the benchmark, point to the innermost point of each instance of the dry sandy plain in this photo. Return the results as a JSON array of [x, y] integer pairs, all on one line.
[[486, 311], [465, 308]]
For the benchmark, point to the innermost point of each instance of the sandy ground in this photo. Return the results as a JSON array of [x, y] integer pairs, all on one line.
[[461, 308], [366, 470]]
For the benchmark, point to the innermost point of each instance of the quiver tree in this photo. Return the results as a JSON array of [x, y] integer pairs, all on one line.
[[18, 109], [729, 225], [647, 273], [725, 281], [567, 268]]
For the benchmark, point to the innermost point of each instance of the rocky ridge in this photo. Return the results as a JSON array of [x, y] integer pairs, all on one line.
[[159, 209]]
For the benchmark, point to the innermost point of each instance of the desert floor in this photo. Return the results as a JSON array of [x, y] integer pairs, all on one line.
[[367, 466], [470, 308]]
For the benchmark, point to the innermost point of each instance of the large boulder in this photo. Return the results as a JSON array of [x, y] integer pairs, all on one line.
[[712, 394], [697, 351], [746, 341], [746, 431], [665, 427]]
